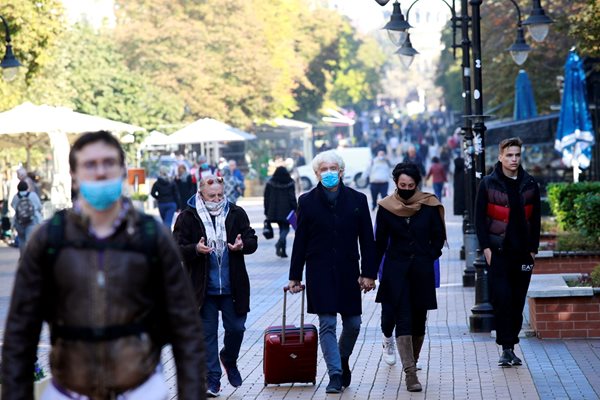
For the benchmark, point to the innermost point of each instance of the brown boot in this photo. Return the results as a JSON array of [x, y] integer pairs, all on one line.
[[417, 345], [405, 349]]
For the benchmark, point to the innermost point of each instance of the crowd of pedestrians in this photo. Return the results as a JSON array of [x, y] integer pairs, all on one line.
[[115, 286]]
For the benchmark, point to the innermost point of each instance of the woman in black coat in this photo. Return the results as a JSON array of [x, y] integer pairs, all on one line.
[[409, 236], [279, 200]]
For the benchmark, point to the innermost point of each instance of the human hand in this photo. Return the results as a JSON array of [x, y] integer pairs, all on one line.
[[295, 286], [202, 248], [366, 284], [488, 256], [532, 256], [237, 245]]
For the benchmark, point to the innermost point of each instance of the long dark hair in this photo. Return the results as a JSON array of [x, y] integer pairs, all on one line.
[[281, 175]]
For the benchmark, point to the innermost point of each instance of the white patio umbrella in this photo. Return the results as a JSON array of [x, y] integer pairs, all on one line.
[[29, 124], [208, 130], [155, 138]]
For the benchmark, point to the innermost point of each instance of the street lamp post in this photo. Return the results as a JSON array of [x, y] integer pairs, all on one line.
[[9, 63], [482, 318]]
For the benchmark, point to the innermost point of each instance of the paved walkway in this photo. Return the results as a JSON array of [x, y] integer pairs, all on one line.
[[456, 364]]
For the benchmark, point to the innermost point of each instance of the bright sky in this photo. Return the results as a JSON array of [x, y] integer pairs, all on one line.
[[367, 14]]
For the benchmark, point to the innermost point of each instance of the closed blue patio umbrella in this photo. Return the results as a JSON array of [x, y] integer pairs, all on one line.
[[525, 107], [574, 136]]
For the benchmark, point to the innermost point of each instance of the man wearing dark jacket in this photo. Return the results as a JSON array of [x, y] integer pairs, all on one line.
[[507, 218], [105, 299], [332, 220], [213, 236]]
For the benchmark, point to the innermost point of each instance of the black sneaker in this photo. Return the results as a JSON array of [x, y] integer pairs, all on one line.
[[505, 359], [213, 389], [335, 384], [233, 373], [346, 373], [514, 359]]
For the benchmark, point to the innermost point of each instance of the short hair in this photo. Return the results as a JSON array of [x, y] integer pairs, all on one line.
[[164, 170], [22, 186], [510, 142], [409, 169], [88, 138], [435, 159], [329, 156]]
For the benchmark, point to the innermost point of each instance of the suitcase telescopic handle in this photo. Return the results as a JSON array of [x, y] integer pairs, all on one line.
[[285, 290]]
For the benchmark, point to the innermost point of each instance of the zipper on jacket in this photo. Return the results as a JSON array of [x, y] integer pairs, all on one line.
[[220, 282]]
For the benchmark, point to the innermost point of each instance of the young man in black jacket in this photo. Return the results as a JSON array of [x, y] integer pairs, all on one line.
[[507, 217]]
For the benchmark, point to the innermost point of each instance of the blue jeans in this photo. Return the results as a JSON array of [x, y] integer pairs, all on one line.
[[167, 210], [437, 189], [23, 235], [234, 333], [332, 351]]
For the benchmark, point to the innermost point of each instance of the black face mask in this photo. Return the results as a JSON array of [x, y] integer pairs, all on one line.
[[405, 193]]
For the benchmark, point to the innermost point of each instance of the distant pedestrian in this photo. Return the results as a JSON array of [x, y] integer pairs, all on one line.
[[279, 200], [379, 173], [507, 220], [235, 172], [409, 236], [28, 213], [413, 158], [233, 186], [108, 281], [166, 194], [213, 236], [185, 187], [437, 173], [333, 220]]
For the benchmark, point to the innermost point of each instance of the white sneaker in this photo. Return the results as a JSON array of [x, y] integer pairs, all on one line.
[[389, 350]]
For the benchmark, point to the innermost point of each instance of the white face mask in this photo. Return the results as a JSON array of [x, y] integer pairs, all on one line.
[[215, 208]]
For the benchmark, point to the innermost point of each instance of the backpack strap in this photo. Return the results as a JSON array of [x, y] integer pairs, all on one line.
[[56, 233]]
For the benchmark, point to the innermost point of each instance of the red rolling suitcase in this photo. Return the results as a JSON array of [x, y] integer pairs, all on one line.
[[290, 352]]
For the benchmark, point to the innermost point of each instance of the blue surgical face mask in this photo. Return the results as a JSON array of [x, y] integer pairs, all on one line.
[[204, 165], [101, 194], [22, 193], [330, 179]]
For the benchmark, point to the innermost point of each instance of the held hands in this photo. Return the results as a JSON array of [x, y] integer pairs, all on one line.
[[366, 284], [238, 245], [202, 248]]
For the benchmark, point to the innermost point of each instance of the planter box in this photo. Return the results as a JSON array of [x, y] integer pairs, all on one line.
[[557, 311], [566, 262]]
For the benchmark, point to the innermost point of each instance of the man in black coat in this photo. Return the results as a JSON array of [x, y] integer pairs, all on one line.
[[213, 236], [332, 220], [507, 220]]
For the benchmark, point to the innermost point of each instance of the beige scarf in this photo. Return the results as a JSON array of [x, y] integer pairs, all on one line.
[[407, 208]]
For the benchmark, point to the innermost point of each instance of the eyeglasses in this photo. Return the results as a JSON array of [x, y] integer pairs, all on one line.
[[108, 164], [211, 181]]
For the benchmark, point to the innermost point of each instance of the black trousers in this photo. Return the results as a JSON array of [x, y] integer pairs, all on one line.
[[509, 277], [407, 320], [378, 188]]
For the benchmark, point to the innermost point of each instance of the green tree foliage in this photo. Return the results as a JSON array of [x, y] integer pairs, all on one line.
[[575, 24], [243, 62], [35, 27], [585, 27], [102, 84]]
